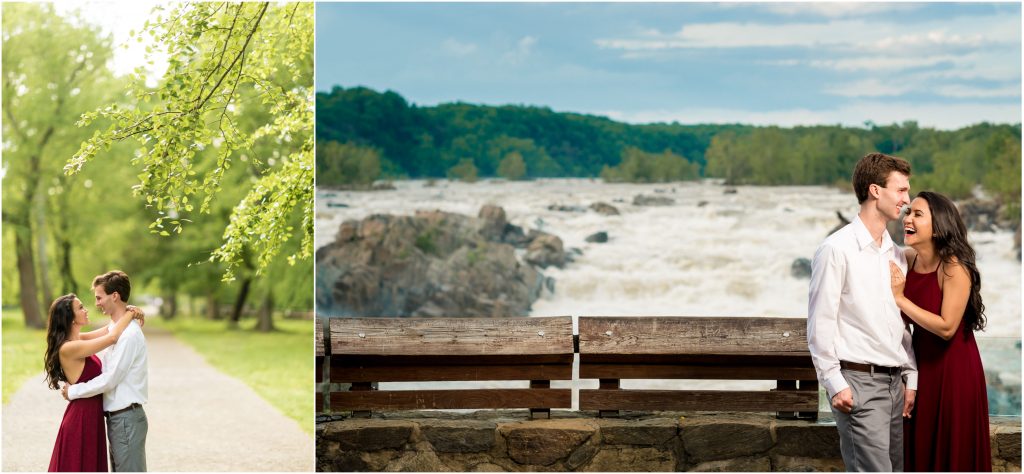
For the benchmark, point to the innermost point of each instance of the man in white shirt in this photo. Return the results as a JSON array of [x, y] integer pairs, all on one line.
[[858, 341], [124, 382]]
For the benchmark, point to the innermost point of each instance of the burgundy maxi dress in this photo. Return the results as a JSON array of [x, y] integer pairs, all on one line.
[[82, 440], [949, 427]]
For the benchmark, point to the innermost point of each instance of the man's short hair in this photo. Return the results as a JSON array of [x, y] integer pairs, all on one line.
[[114, 281], [875, 168]]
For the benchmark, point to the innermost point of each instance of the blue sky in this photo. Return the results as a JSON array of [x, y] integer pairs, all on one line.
[[944, 65]]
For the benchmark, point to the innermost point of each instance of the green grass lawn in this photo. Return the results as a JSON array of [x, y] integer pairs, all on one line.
[[277, 365], [23, 351]]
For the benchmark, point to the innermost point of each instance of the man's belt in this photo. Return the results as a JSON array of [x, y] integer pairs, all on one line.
[[869, 368], [129, 407]]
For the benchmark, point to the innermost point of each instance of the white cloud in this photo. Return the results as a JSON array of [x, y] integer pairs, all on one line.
[[456, 48], [872, 88], [971, 92], [835, 9], [521, 52], [850, 36], [941, 116]]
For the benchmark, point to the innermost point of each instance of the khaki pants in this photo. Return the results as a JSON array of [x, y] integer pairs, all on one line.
[[871, 436], [126, 432]]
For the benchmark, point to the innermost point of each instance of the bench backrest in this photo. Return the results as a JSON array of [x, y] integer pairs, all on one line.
[[615, 348], [364, 351]]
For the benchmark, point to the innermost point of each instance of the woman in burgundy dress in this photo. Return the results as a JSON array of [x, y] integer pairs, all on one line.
[[71, 357], [946, 427]]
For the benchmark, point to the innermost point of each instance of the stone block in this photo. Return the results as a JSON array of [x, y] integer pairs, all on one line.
[[582, 455], [1006, 442], [747, 464], [715, 438], [417, 461], [806, 439], [631, 460], [650, 432], [805, 464], [462, 436], [543, 442], [368, 435]]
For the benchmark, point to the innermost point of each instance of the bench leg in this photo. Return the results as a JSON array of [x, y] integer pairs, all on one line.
[[786, 385], [608, 384], [540, 413], [361, 387], [809, 386]]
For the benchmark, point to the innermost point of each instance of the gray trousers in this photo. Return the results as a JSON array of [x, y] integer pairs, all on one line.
[[871, 436], [126, 432]]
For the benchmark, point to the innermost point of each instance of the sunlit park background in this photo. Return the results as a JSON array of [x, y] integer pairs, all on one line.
[[190, 169]]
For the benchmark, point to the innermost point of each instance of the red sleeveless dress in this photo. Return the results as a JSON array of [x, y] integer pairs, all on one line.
[[82, 440], [949, 428]]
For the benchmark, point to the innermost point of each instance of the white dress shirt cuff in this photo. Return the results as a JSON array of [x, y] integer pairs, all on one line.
[[837, 383], [73, 392], [910, 378]]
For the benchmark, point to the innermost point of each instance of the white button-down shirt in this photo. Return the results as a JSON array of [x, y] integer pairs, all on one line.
[[125, 377], [852, 314]]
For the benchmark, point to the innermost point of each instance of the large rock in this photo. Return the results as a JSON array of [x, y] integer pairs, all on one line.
[[642, 200], [807, 464], [450, 436], [801, 268], [545, 251], [979, 215], [802, 439], [597, 237], [432, 264], [632, 459], [544, 443], [604, 209], [748, 464], [711, 439], [368, 435], [652, 432]]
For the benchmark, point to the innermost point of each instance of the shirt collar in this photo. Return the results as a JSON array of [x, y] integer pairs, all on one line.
[[864, 238]]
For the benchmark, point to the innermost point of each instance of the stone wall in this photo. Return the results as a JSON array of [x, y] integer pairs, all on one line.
[[507, 441]]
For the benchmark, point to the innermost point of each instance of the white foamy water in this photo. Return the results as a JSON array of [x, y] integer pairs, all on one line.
[[709, 254]]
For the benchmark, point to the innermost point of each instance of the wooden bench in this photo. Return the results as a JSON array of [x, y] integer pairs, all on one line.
[[616, 348], [368, 350], [318, 344]]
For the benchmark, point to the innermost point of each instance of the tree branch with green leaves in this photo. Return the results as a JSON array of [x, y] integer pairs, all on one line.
[[226, 61]]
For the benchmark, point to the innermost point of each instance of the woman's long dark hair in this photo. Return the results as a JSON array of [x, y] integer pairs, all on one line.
[[949, 235], [58, 329]]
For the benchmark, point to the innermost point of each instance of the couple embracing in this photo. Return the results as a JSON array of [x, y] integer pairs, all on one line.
[[896, 354], [114, 387]]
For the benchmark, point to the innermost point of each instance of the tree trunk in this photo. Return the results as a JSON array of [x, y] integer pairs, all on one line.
[[169, 306], [212, 311], [67, 279], [44, 257], [243, 294], [266, 323], [27, 280]]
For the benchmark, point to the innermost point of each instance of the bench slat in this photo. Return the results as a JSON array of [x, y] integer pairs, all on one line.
[[451, 373], [707, 400], [664, 371], [451, 336], [692, 335], [451, 399]]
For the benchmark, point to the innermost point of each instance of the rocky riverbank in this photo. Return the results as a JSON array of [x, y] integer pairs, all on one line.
[[435, 263]]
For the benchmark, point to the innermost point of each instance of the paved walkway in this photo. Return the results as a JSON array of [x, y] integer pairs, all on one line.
[[199, 420]]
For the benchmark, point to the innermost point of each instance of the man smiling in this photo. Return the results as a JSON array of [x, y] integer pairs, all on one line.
[[859, 344]]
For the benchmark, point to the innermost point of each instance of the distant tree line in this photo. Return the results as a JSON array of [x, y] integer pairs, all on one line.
[[364, 135]]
